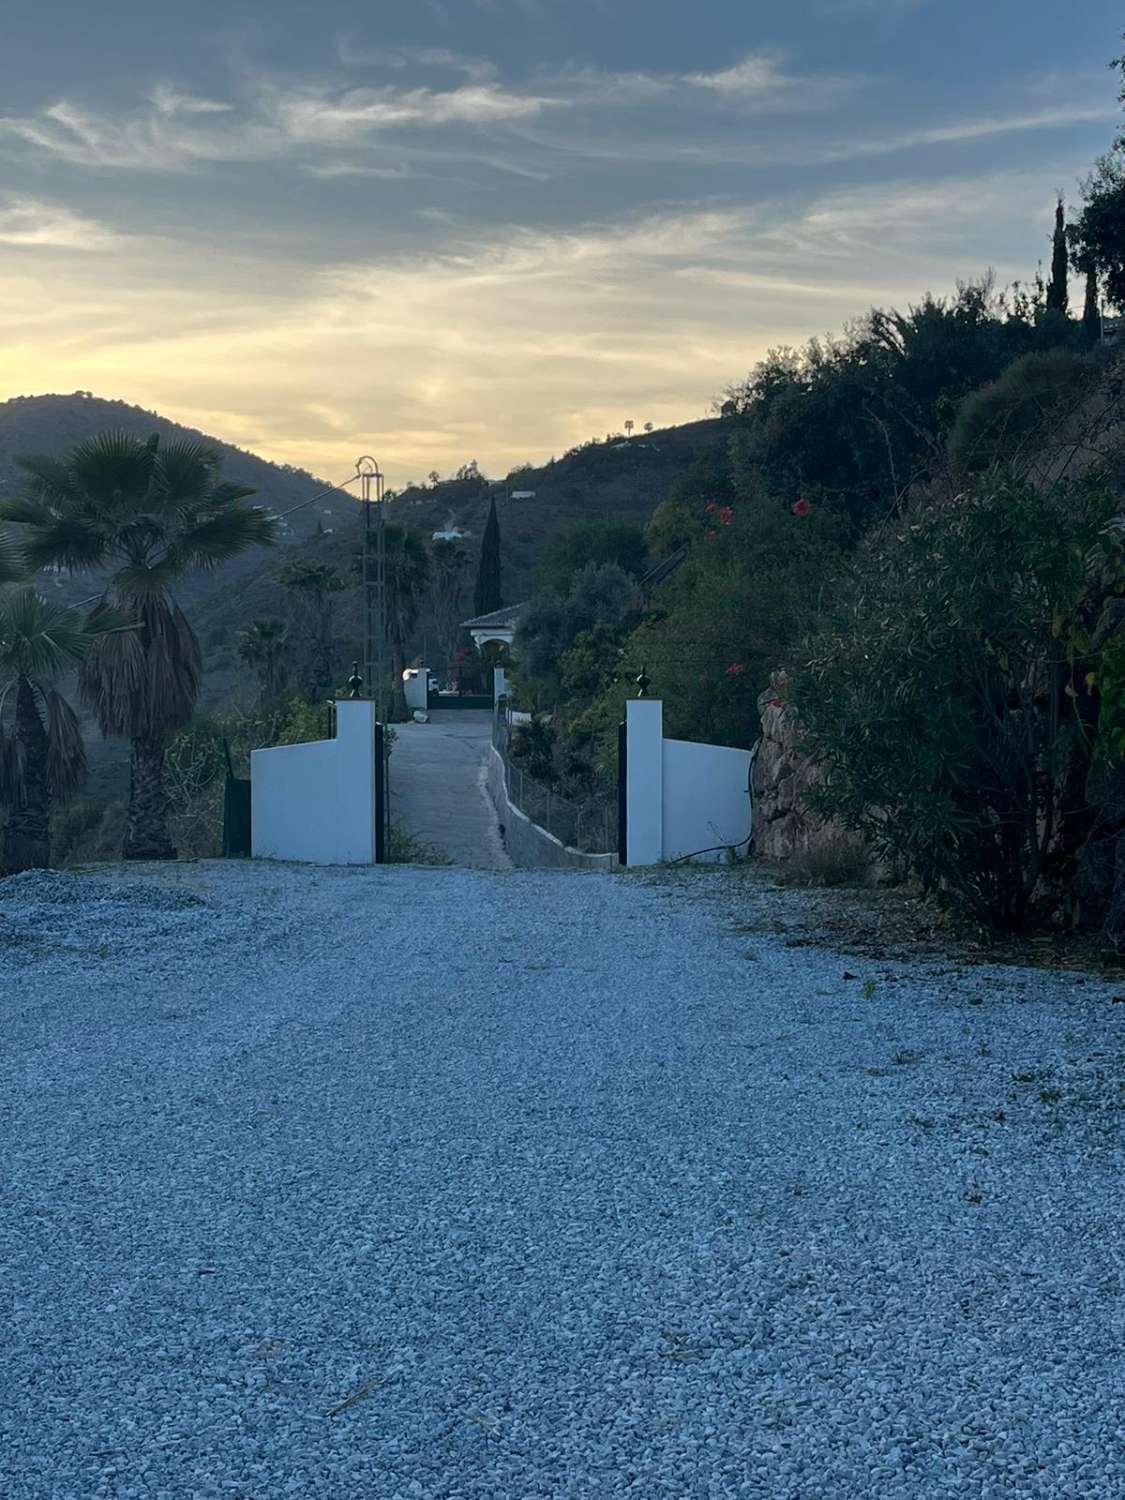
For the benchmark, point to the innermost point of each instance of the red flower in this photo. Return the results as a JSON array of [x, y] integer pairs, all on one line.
[[726, 515], [776, 703], [711, 509], [736, 669], [801, 507]]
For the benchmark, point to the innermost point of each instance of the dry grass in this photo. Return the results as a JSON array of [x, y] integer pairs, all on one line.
[[835, 858]]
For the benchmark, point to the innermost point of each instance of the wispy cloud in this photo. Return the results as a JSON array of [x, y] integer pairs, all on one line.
[[175, 131], [555, 334], [355, 55], [760, 82], [31, 224], [359, 112]]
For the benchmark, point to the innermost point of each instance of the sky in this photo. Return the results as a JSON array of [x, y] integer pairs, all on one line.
[[443, 230]]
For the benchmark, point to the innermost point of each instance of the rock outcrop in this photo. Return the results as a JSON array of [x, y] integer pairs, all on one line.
[[784, 827]]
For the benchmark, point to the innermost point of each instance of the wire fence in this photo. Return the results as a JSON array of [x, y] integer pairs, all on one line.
[[589, 824]]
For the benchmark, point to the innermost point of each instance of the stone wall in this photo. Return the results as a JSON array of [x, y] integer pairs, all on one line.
[[783, 825]]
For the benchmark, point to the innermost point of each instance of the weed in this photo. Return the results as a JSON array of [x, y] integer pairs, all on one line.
[[836, 858], [868, 990]]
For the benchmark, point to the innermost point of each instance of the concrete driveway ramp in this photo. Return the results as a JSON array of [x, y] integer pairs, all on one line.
[[437, 788]]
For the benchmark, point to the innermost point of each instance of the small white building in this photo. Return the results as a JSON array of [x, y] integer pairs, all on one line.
[[499, 626], [522, 495]]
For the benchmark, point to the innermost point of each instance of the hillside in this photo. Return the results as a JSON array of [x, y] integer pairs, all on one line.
[[54, 424], [617, 480], [612, 480]]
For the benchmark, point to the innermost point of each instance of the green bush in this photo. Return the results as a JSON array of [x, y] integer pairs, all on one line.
[[953, 700], [1009, 420]]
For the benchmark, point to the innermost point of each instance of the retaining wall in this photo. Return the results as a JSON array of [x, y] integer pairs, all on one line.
[[529, 846]]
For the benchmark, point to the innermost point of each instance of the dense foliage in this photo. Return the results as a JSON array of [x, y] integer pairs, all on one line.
[[954, 707]]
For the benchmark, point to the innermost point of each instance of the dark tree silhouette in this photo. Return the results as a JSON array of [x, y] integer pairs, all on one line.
[[487, 594], [1058, 290], [1091, 312]]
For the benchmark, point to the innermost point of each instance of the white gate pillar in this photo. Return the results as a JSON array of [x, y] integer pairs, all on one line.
[[644, 781]]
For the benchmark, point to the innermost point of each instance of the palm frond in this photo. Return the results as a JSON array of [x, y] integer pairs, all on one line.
[[144, 683], [49, 480], [114, 473], [228, 492], [41, 639], [188, 468], [66, 754], [65, 541], [12, 563], [223, 535]]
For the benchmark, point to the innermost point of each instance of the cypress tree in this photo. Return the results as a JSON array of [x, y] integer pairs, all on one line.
[[1091, 313], [1058, 294], [486, 595]]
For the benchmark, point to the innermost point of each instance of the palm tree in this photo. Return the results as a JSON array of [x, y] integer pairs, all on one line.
[[313, 587], [145, 513], [262, 646], [12, 565], [42, 758]]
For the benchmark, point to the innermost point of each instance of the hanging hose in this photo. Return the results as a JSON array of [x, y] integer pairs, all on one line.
[[732, 848]]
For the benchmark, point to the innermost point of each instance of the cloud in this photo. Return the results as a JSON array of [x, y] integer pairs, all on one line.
[[29, 223], [957, 132], [358, 112], [171, 101], [176, 131], [478, 69], [555, 335], [760, 82]]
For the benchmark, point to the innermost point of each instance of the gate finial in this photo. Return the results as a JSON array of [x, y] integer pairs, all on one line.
[[355, 681], [643, 684]]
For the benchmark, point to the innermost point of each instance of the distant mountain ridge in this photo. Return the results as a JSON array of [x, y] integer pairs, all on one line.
[[620, 479], [53, 424]]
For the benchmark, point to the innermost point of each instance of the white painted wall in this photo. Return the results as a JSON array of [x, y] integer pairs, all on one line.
[[683, 798], [644, 780], [499, 683], [315, 803], [416, 686], [706, 799]]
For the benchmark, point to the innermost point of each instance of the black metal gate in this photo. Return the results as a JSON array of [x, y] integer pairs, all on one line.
[[382, 799]]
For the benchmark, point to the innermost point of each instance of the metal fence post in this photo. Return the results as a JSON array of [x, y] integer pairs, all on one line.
[[622, 793], [380, 797]]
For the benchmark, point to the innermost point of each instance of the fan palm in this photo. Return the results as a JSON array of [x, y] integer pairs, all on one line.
[[145, 513], [42, 759], [12, 566], [262, 646]]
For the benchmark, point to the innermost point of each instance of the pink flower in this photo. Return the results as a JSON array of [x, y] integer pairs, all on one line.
[[776, 703], [726, 515], [736, 669], [801, 507]]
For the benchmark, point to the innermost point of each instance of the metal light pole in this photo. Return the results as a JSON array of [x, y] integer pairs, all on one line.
[[374, 584]]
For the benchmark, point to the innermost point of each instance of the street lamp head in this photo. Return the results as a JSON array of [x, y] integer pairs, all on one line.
[[367, 467]]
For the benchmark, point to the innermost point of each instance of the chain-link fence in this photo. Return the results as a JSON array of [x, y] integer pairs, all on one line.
[[589, 824]]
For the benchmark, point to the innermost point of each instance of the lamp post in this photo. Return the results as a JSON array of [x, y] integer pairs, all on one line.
[[374, 583]]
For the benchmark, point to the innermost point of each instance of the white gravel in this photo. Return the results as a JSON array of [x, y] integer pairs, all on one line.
[[571, 1188]]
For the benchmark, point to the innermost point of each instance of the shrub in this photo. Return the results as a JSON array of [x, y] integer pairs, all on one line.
[[834, 858], [953, 700], [1029, 404]]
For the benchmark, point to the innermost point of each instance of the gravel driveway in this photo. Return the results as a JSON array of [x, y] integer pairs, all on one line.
[[356, 1185]]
